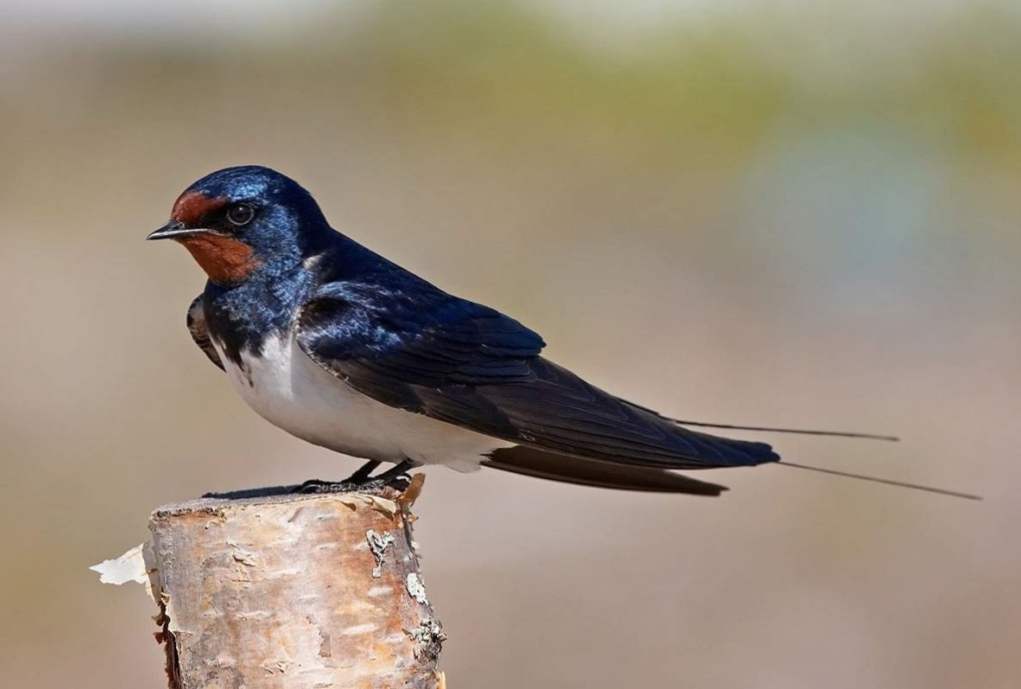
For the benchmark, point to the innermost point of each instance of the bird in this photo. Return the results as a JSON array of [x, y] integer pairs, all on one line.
[[342, 348]]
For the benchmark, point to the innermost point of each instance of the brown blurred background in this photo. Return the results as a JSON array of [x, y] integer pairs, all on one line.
[[752, 212]]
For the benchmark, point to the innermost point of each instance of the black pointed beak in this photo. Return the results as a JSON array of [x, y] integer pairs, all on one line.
[[174, 230]]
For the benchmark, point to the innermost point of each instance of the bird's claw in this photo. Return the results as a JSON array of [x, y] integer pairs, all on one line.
[[399, 483], [317, 486]]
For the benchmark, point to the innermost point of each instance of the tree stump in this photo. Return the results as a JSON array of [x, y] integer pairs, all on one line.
[[293, 591]]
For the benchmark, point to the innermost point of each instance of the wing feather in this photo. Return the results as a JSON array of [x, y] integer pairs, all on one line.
[[200, 333], [471, 366]]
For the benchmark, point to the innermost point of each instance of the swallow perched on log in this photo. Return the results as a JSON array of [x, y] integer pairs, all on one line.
[[344, 349]]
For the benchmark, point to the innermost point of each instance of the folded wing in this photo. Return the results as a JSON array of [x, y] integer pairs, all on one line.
[[469, 365]]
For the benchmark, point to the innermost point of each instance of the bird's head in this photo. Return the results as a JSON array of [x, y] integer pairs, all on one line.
[[243, 221]]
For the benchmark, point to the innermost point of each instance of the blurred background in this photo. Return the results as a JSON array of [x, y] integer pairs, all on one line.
[[758, 212]]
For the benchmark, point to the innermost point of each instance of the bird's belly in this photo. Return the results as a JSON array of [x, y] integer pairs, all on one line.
[[294, 393]]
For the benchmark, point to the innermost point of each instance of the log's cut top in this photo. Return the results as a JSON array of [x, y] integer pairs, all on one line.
[[288, 590], [387, 501]]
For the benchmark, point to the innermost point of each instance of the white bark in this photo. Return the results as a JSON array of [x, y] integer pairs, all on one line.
[[293, 591]]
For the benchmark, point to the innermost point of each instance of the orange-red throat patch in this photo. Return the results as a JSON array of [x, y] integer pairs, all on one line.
[[224, 259]]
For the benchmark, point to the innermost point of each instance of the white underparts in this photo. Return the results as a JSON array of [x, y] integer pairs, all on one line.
[[288, 389]]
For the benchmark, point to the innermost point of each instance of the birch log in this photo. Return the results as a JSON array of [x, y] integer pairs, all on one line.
[[293, 591]]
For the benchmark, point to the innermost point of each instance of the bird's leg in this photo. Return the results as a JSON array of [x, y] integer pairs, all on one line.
[[361, 477], [363, 473], [397, 475]]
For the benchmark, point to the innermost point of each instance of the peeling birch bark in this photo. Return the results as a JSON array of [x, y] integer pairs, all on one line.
[[293, 591]]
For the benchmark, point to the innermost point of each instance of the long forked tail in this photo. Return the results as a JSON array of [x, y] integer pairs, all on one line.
[[582, 471], [799, 431], [835, 472], [768, 429], [876, 479]]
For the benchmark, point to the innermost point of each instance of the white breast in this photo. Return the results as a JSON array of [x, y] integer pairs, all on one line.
[[292, 392]]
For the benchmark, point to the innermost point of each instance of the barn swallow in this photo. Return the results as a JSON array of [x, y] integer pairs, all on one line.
[[342, 348]]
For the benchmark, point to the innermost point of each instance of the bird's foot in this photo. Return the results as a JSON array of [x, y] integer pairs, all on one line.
[[317, 486], [399, 483], [397, 477], [374, 485], [361, 481]]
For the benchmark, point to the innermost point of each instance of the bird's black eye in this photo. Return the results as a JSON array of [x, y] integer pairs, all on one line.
[[240, 214]]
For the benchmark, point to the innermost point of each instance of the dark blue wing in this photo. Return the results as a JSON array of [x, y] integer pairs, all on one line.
[[397, 342], [466, 364]]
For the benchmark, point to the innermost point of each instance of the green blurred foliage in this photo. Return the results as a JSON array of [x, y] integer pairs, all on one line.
[[720, 82]]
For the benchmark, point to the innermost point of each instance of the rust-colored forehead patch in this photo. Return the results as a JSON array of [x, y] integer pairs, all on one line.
[[193, 206]]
